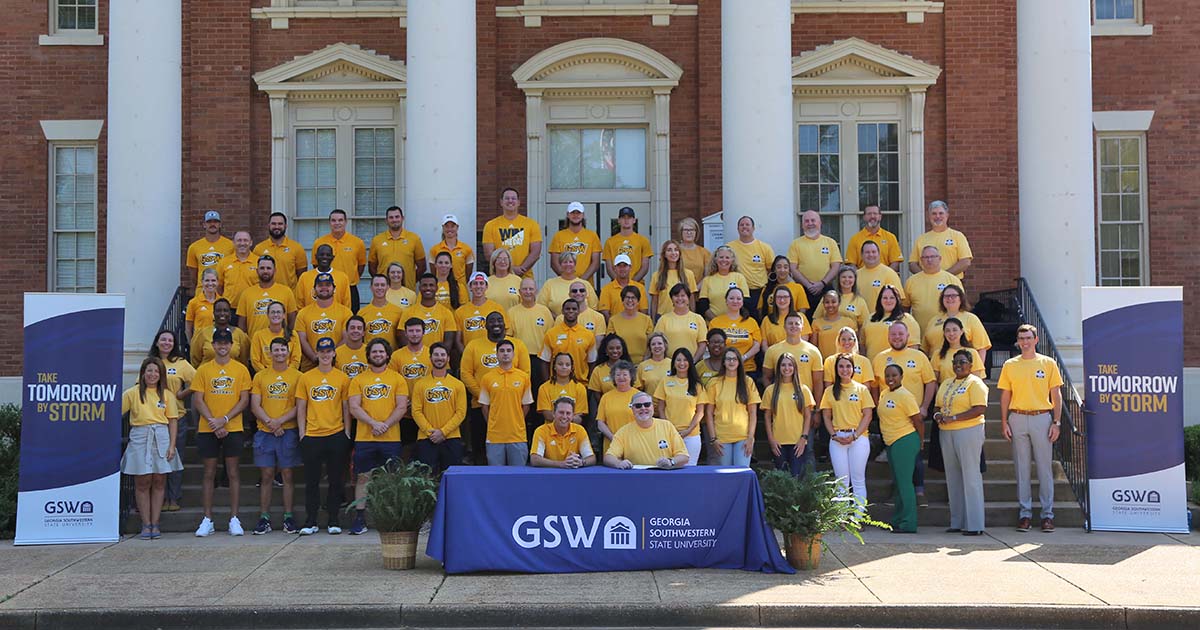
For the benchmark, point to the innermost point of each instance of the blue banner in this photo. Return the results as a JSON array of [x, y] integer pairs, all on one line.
[[1133, 363], [599, 519], [69, 488]]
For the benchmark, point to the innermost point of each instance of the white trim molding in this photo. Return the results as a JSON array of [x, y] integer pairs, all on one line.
[[914, 10], [281, 11], [1133, 120], [660, 11], [854, 67], [66, 130], [71, 40], [625, 73], [337, 72], [1101, 29]]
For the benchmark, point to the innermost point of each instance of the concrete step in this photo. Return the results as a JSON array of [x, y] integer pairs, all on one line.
[[997, 515], [879, 490]]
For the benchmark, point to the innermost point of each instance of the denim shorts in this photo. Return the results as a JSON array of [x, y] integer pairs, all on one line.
[[277, 452]]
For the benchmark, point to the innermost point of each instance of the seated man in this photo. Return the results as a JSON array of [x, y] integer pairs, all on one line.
[[648, 441], [562, 443]]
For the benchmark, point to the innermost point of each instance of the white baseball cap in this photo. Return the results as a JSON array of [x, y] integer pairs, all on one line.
[[478, 274], [623, 258], [449, 218], [574, 206]]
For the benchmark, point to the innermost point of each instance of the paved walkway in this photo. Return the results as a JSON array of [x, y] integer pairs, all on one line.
[[1001, 579]]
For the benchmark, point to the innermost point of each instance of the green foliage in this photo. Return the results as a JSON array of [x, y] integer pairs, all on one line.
[[10, 447], [812, 504], [1191, 451], [400, 497]]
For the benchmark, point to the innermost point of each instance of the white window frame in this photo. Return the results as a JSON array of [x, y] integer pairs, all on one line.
[[1122, 27], [69, 37], [52, 228], [1143, 207], [64, 134]]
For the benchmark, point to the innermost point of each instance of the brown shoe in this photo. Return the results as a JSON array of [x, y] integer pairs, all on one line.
[[1048, 525], [1023, 524]]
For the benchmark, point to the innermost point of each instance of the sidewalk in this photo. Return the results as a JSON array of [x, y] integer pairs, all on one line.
[[1002, 579]]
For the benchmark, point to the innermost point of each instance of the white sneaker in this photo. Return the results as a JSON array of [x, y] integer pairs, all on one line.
[[335, 530], [309, 531], [206, 528], [235, 527]]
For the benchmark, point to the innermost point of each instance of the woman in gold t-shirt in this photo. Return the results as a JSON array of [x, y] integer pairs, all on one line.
[[732, 413], [961, 402], [789, 404], [680, 399], [846, 409], [903, 433], [150, 454]]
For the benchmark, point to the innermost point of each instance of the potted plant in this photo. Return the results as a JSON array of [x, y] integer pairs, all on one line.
[[805, 508], [400, 498]]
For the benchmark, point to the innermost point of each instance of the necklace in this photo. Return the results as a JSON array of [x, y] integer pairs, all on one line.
[[948, 396]]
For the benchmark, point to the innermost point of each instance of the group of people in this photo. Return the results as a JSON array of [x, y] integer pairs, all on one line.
[[667, 364]]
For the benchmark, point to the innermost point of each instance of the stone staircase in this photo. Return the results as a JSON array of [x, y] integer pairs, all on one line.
[[1000, 489]]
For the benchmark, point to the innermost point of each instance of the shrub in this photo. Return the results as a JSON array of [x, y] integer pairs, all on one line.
[[400, 497], [10, 446], [812, 504], [1191, 451]]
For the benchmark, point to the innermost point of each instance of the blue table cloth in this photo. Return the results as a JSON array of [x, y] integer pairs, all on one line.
[[538, 520]]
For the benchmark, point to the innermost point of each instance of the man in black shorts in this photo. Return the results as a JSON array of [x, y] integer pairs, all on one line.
[[221, 392]]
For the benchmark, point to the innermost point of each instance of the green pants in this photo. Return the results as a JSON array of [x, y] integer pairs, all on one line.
[[902, 457]]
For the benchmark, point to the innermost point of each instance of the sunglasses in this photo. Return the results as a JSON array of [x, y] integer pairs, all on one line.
[[641, 405]]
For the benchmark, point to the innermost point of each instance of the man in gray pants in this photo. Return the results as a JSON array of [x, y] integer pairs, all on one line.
[[1030, 403]]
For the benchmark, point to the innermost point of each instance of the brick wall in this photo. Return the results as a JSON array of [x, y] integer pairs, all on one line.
[[39, 83], [1158, 73]]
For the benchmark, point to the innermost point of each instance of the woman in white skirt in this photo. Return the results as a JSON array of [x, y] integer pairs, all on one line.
[[150, 454]]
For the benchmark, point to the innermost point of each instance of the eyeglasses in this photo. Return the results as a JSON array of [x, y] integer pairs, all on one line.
[[578, 290], [641, 405]]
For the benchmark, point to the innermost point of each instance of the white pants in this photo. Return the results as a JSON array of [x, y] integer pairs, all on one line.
[[693, 448], [850, 463]]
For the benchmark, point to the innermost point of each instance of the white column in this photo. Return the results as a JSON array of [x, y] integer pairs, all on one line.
[[757, 176], [661, 200], [280, 154], [145, 152], [1054, 151], [439, 172]]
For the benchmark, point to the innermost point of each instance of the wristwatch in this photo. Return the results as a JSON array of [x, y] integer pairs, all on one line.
[[670, 462]]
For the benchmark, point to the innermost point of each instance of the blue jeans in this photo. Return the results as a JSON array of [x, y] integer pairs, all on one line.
[[797, 465], [733, 455]]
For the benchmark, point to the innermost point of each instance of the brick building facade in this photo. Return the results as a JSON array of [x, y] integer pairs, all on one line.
[[969, 133]]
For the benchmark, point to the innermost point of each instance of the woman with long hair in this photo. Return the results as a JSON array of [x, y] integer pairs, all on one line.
[[847, 345], [954, 338], [634, 326], [179, 374], [682, 327], [670, 272], [695, 256], [450, 293], [888, 310], [961, 402], [846, 410], [828, 322], [782, 301], [399, 294], [504, 286], [732, 413], [680, 398], [781, 276], [788, 404], [853, 305], [654, 368], [903, 430], [562, 383], [613, 350], [150, 454], [953, 303], [198, 315], [260, 345], [722, 276]]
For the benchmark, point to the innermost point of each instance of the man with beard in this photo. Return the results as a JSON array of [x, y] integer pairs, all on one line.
[[632, 245], [578, 240], [889, 245], [471, 315], [378, 400], [440, 323], [322, 318], [815, 257], [253, 304], [952, 245], [411, 361], [439, 404], [381, 316], [351, 355], [289, 257], [207, 251], [571, 337], [520, 234], [397, 245], [478, 360], [305, 286]]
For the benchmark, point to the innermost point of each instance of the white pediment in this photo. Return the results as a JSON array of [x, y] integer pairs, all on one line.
[[339, 66], [596, 62], [857, 62]]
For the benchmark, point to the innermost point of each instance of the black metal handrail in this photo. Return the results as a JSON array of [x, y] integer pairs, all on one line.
[[1071, 448]]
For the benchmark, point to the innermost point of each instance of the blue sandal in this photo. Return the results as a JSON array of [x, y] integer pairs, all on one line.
[[147, 532], [155, 534]]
